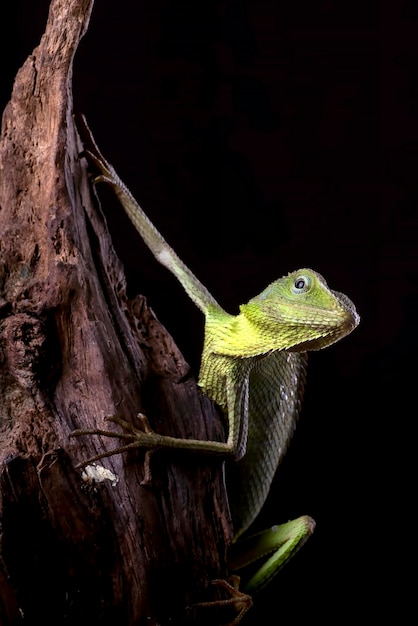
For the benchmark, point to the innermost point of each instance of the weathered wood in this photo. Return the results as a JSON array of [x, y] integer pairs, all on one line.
[[74, 348]]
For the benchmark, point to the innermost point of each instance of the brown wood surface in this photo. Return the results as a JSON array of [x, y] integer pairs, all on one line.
[[74, 348]]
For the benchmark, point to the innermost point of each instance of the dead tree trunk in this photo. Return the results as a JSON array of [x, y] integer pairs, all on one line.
[[73, 349]]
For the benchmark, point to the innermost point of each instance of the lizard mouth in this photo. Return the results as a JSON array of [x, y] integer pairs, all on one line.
[[330, 335], [349, 307], [346, 319]]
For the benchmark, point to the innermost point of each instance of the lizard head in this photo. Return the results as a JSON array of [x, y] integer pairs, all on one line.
[[302, 312]]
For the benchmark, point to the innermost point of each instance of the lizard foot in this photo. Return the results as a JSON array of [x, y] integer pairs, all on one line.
[[135, 438], [93, 155], [238, 599]]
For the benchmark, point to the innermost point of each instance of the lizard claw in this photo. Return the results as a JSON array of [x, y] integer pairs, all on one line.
[[92, 153], [238, 599], [135, 438], [147, 480], [129, 427]]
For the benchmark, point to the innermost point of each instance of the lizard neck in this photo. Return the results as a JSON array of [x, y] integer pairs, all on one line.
[[230, 342], [238, 336]]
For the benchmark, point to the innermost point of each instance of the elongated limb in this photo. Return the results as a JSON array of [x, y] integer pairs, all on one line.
[[145, 437], [151, 236], [279, 544], [148, 439]]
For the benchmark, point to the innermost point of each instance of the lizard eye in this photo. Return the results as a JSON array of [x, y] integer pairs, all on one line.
[[301, 284]]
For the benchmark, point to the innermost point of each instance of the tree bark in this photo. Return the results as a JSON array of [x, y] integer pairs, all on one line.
[[74, 348]]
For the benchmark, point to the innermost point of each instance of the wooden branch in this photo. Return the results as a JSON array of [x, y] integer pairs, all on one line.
[[74, 349]]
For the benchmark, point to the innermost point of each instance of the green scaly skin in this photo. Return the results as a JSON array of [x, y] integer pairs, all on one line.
[[253, 366]]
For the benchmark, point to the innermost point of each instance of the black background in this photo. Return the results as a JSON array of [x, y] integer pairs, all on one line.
[[261, 137]]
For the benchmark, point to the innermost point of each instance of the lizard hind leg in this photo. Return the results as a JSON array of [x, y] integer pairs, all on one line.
[[240, 601], [277, 546]]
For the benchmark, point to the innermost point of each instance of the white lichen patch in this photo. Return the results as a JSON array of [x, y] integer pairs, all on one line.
[[98, 474]]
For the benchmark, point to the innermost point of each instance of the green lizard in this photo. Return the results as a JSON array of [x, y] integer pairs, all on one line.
[[253, 366]]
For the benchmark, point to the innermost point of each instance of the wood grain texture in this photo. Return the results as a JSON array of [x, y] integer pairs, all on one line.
[[74, 348]]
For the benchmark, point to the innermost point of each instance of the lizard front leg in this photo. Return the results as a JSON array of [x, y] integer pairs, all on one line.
[[145, 437], [148, 439]]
